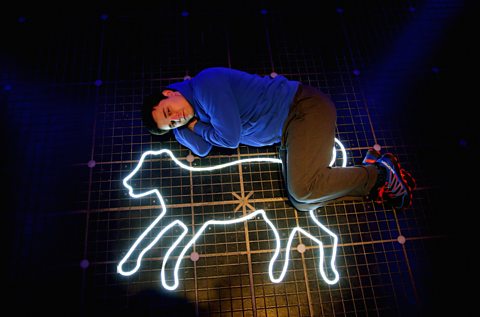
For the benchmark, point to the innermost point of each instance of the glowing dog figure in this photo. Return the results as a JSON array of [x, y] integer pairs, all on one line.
[[252, 215]]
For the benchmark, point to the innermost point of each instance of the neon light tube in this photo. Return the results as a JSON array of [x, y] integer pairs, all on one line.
[[252, 215]]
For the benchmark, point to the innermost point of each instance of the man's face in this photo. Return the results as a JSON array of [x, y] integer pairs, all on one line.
[[172, 112]]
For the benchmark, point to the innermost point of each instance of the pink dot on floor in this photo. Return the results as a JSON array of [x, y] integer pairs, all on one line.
[[194, 256], [301, 248], [190, 158]]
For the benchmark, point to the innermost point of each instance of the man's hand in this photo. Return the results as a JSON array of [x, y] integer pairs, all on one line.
[[192, 123]]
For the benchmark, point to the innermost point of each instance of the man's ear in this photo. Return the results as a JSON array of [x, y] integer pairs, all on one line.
[[168, 93]]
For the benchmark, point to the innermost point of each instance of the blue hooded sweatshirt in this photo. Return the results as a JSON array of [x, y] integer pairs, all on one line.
[[234, 107]]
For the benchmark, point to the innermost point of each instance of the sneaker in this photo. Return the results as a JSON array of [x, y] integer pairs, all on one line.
[[399, 184], [371, 157]]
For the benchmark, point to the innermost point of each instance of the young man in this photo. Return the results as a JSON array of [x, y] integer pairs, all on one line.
[[225, 107]]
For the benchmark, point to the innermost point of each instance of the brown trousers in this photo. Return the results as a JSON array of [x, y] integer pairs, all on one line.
[[306, 151]]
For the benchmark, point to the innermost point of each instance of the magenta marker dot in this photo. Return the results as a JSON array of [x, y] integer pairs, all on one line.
[[273, 74], [84, 264], [91, 163], [377, 147], [401, 239]]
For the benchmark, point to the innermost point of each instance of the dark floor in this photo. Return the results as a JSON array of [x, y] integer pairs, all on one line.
[[73, 78]]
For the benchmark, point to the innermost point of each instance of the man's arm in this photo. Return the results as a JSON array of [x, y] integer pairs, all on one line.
[[192, 123], [192, 140], [214, 92]]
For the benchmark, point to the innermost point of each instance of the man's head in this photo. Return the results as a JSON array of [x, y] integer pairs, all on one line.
[[166, 111]]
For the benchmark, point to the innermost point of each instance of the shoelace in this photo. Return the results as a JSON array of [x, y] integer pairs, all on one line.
[[394, 183]]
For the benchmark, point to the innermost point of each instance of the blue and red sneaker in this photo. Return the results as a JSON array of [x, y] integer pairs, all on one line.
[[371, 157], [397, 187]]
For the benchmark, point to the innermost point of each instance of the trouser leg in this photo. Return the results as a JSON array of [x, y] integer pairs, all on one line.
[[306, 152]]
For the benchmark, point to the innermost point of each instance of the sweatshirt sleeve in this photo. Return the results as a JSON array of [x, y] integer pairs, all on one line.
[[192, 141], [225, 125]]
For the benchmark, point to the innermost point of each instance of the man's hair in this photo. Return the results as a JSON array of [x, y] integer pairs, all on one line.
[[149, 103]]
